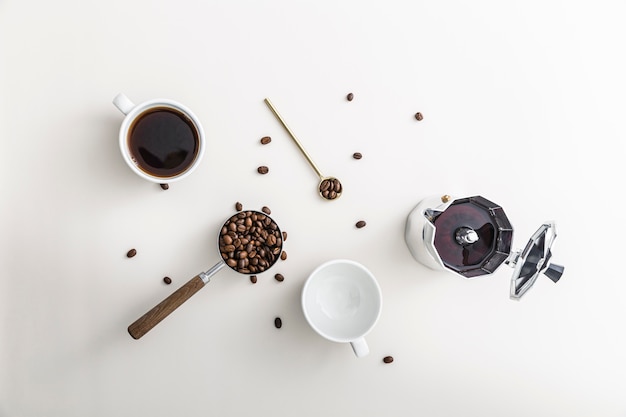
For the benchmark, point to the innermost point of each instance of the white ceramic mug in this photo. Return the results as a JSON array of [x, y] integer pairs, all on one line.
[[135, 113], [342, 302]]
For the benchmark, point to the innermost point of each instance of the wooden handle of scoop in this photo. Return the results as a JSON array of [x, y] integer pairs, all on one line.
[[153, 317]]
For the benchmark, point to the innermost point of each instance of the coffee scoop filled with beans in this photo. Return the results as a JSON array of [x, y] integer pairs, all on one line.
[[249, 242], [329, 188]]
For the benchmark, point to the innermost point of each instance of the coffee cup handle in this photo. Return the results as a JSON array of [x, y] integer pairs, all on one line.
[[360, 348], [123, 103]]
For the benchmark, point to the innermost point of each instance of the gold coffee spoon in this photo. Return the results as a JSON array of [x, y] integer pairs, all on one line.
[[329, 188]]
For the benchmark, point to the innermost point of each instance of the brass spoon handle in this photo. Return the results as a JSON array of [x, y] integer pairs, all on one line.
[[293, 136]]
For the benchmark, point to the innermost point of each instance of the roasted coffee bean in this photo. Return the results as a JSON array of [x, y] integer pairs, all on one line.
[[265, 140], [131, 253], [238, 206], [283, 255], [284, 236], [350, 97], [266, 210], [388, 359], [165, 186], [360, 224], [419, 116], [278, 322], [253, 279], [167, 280], [279, 277], [271, 240], [336, 185], [357, 155], [263, 169]]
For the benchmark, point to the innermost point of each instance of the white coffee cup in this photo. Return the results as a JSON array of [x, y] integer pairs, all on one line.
[[135, 113], [342, 302]]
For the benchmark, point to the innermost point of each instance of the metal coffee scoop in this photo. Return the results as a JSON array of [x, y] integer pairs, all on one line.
[[145, 323], [329, 188]]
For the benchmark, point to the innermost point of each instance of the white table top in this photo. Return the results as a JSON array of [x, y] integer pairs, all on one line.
[[523, 103]]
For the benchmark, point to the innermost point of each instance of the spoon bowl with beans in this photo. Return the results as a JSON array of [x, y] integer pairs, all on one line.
[[329, 188]]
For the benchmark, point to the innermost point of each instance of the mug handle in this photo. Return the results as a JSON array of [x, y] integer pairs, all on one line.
[[123, 103], [360, 348]]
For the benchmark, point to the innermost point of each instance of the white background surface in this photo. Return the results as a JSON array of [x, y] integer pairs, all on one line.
[[523, 103]]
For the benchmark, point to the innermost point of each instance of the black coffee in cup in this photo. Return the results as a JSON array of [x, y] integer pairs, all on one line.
[[163, 142]]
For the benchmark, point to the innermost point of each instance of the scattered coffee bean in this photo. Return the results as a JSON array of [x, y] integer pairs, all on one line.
[[131, 253], [350, 97], [279, 277], [357, 155], [283, 255], [266, 210], [388, 359], [330, 188], [167, 280], [238, 206], [165, 186], [253, 279], [265, 140], [263, 169], [419, 116], [250, 242], [360, 224], [284, 236], [278, 322]]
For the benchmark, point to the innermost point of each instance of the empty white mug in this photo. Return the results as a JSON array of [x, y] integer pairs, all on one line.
[[342, 301]]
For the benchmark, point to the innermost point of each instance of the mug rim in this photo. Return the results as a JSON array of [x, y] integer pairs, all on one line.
[[140, 108], [367, 273]]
